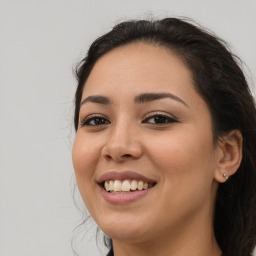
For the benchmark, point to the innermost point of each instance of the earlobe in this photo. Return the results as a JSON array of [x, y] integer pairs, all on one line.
[[230, 155]]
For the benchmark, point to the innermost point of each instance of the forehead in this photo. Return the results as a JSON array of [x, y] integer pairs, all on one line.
[[136, 68]]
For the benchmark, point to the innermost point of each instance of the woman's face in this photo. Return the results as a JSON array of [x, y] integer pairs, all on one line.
[[142, 120]]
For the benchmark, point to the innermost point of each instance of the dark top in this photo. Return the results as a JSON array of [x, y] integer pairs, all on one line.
[[111, 253]]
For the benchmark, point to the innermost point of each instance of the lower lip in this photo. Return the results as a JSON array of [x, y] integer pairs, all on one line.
[[125, 198]]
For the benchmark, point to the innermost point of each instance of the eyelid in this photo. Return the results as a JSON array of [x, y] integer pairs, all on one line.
[[159, 113], [88, 117]]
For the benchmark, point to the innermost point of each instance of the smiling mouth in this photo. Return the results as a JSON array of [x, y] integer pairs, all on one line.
[[126, 186]]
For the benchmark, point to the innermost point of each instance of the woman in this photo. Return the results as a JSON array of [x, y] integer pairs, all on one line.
[[164, 153]]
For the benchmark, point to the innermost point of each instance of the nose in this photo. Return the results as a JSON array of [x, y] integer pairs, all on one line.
[[122, 144]]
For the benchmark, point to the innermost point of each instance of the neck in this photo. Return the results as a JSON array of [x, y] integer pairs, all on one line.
[[193, 246], [194, 238]]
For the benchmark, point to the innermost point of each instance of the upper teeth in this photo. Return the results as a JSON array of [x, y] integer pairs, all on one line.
[[126, 185]]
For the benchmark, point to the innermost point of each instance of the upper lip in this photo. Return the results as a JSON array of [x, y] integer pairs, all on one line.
[[123, 175]]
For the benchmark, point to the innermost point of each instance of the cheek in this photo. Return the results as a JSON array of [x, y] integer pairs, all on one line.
[[81, 156], [85, 156], [185, 147], [185, 160], [186, 165]]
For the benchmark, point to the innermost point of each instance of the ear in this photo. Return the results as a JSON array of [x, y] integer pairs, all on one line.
[[229, 155]]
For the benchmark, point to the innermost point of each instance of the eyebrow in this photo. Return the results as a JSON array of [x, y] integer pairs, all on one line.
[[148, 97], [142, 98], [96, 99]]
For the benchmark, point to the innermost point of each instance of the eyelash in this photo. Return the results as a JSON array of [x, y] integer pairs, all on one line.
[[168, 118], [90, 118], [104, 121]]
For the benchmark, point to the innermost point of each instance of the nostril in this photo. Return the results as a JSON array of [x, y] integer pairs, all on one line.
[[108, 157], [118, 157], [127, 155]]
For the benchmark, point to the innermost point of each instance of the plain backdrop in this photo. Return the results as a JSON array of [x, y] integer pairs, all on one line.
[[40, 43]]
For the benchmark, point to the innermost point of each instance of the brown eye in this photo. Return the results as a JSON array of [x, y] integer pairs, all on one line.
[[159, 119], [95, 121]]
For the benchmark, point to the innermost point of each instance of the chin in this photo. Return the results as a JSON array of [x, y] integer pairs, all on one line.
[[126, 235], [124, 229]]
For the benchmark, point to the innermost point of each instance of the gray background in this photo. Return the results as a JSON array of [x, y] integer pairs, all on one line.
[[40, 42]]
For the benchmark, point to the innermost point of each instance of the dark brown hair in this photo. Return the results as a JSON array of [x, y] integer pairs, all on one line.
[[222, 84]]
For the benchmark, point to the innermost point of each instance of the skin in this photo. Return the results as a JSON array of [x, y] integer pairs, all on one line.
[[176, 217]]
